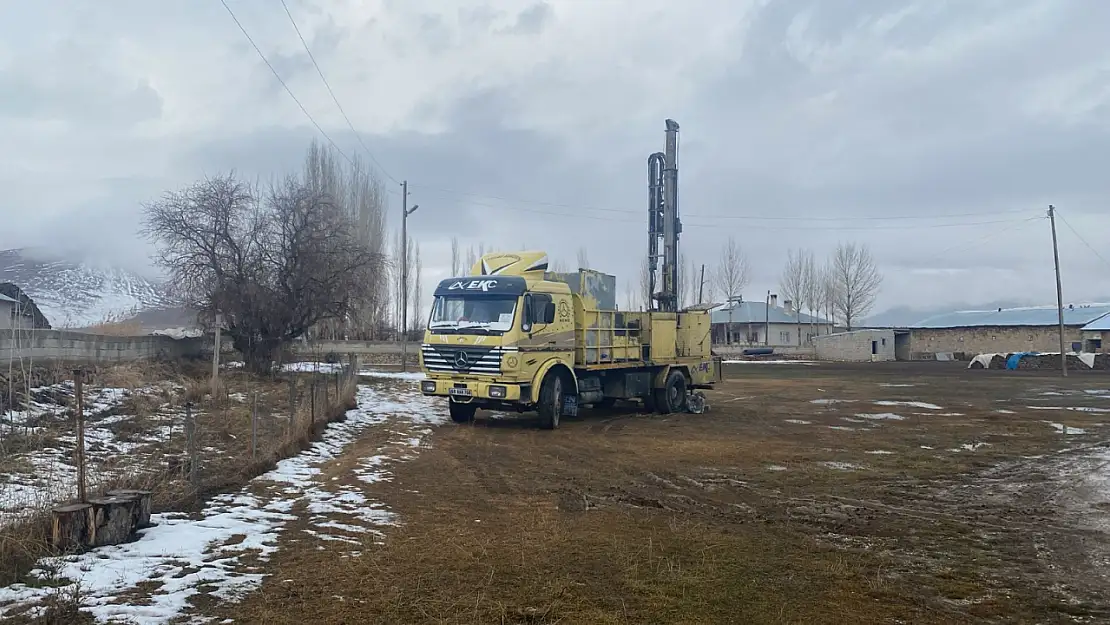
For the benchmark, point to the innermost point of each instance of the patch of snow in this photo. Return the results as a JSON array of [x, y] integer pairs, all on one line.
[[312, 367], [829, 402], [1004, 411], [775, 467], [925, 447], [180, 333], [969, 447], [879, 452], [882, 416], [897, 385], [391, 375], [798, 421], [1072, 408], [1065, 430], [841, 428], [840, 466], [807, 363], [911, 404]]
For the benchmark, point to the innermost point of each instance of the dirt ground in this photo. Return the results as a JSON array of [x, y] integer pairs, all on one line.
[[808, 494]]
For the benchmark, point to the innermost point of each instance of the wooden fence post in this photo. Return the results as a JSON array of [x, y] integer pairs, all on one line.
[[79, 417], [254, 426], [191, 444]]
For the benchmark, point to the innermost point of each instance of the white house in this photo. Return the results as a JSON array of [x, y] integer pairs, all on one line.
[[757, 324], [12, 317]]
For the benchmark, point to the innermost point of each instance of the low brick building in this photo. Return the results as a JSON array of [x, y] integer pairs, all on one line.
[[1033, 329], [857, 346]]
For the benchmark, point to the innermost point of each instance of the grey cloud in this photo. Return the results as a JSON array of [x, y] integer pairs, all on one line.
[[861, 114], [533, 20]]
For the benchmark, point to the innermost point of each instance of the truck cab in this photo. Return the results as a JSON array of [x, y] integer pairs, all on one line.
[[513, 336]]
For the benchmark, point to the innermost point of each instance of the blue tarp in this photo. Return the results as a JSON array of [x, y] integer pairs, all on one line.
[[1014, 359]]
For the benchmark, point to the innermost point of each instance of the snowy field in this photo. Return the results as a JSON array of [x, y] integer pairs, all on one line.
[[222, 551]]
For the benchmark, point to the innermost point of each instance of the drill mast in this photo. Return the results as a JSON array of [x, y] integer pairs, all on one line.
[[664, 225]]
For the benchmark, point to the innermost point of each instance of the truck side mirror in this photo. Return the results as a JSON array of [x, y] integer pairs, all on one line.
[[549, 312]]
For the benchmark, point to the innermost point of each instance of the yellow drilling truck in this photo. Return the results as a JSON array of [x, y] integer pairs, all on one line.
[[513, 335]]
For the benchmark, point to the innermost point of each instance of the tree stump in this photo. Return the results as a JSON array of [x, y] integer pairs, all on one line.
[[142, 520], [114, 519], [73, 526]]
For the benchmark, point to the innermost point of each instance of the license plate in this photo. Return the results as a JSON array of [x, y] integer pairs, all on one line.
[[462, 392]]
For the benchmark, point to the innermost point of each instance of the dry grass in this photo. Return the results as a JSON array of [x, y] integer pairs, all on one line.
[[736, 516]]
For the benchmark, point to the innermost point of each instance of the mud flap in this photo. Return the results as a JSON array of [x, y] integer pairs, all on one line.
[[570, 406], [695, 403]]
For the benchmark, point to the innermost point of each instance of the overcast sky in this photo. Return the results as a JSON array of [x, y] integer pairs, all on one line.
[[529, 123]]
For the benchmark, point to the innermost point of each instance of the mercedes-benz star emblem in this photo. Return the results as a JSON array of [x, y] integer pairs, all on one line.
[[461, 360]]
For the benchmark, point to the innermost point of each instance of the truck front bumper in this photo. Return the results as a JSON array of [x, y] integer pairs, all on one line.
[[476, 390]]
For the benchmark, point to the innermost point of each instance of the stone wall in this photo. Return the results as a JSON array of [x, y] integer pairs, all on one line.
[[991, 340], [64, 346], [857, 346]]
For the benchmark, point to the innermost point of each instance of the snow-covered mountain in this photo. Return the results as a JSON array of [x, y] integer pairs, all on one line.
[[74, 294]]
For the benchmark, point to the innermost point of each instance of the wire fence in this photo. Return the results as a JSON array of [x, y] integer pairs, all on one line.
[[67, 434]]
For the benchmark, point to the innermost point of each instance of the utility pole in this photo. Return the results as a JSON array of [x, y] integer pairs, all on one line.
[[405, 212], [701, 286], [1059, 291], [767, 321]]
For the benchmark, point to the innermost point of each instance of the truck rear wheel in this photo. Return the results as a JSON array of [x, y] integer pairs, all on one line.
[[551, 401], [462, 413], [672, 397]]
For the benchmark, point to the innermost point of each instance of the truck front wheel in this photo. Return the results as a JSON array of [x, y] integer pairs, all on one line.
[[551, 401], [462, 413], [672, 397]]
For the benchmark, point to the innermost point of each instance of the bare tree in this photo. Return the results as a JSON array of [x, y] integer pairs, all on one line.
[[417, 291], [811, 288], [797, 281], [684, 282], [856, 281], [792, 279], [732, 275], [273, 263], [456, 261], [471, 258], [583, 258], [645, 284], [733, 271], [356, 191]]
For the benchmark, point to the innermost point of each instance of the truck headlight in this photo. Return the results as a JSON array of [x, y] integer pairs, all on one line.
[[497, 392], [428, 386]]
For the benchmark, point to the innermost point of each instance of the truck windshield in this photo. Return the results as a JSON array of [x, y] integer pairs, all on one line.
[[472, 314]]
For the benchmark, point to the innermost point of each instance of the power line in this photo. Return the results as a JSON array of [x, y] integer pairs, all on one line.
[[749, 227], [1080, 237], [332, 93], [287, 89], [716, 216]]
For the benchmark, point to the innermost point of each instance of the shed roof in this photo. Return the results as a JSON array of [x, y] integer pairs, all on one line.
[[757, 312], [1074, 315], [5, 298], [1102, 324]]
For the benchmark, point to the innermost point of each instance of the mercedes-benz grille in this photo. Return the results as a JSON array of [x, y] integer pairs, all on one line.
[[472, 359]]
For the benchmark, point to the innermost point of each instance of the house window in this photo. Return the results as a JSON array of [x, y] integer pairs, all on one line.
[[884, 342], [784, 337]]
